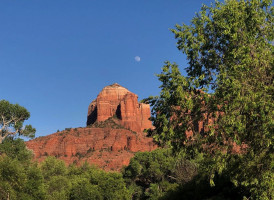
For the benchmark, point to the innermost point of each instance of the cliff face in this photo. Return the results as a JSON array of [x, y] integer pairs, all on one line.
[[108, 148], [115, 100], [114, 134]]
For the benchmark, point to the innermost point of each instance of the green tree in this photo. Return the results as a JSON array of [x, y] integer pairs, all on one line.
[[16, 149], [229, 47], [58, 187], [51, 166], [84, 181], [13, 178], [150, 175], [20, 181], [20, 177], [12, 117], [112, 186], [57, 182], [83, 189], [89, 182]]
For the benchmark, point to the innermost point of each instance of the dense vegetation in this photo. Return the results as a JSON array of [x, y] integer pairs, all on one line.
[[20, 178], [159, 174], [228, 89], [162, 175]]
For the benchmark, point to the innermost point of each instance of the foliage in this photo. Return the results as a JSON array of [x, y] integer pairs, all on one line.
[[151, 174], [84, 182], [112, 186], [57, 183], [53, 167], [15, 149], [12, 117], [83, 189], [161, 174], [229, 47], [21, 178]]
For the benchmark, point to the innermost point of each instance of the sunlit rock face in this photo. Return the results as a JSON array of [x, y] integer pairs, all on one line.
[[117, 101], [114, 134], [105, 146]]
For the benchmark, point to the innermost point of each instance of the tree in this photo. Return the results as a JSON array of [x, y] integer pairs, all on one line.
[[16, 149], [83, 189], [12, 117], [55, 174], [20, 181], [89, 182], [229, 47], [151, 174]]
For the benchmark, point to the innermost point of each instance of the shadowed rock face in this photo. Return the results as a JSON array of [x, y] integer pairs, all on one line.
[[115, 100], [114, 134]]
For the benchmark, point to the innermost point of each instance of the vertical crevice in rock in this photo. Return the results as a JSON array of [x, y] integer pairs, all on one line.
[[118, 112], [92, 117]]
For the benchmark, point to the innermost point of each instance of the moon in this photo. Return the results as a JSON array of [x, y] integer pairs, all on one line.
[[137, 58]]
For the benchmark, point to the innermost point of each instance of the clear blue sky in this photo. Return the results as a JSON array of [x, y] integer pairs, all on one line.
[[57, 55]]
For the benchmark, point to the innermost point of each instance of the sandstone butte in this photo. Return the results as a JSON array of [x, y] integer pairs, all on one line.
[[114, 133]]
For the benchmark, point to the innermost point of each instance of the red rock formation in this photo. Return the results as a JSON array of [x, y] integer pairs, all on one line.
[[115, 100], [114, 134], [108, 147]]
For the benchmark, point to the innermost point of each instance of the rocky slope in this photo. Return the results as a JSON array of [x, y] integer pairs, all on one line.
[[114, 133]]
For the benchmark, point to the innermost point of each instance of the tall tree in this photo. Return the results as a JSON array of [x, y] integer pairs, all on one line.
[[229, 47], [12, 117]]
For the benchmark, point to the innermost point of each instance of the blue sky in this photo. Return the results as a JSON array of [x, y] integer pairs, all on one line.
[[57, 55]]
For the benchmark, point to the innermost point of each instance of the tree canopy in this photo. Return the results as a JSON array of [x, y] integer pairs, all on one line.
[[228, 91], [12, 117]]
